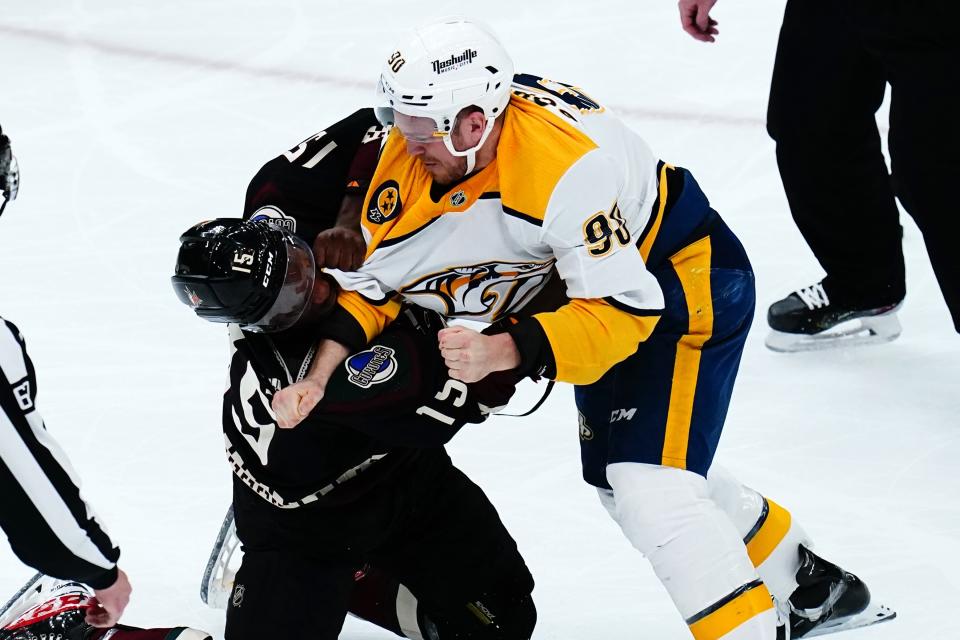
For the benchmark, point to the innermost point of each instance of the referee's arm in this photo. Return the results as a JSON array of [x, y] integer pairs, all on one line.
[[49, 525]]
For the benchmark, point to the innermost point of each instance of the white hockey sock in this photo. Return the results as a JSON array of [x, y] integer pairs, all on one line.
[[694, 549], [769, 532]]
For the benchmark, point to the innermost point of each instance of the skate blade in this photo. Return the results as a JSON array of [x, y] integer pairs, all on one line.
[[216, 584], [16, 605], [853, 333], [873, 614]]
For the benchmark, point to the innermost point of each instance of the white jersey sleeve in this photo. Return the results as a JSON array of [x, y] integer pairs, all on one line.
[[592, 224]]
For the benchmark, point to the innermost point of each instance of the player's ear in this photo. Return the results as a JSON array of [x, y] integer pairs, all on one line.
[[471, 124]]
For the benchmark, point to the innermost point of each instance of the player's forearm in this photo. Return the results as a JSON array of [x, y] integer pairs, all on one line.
[[349, 215], [45, 518], [330, 354], [294, 403], [355, 321], [505, 354], [37, 546], [342, 246], [580, 341]]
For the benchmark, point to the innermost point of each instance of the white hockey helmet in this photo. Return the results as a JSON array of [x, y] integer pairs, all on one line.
[[439, 69]]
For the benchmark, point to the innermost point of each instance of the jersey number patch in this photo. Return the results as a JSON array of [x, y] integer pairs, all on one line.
[[458, 400], [555, 95], [602, 229], [312, 143]]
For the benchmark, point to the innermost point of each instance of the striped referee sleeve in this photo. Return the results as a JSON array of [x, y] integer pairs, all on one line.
[[49, 525]]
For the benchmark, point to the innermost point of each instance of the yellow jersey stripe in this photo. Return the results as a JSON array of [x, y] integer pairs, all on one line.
[[692, 265], [372, 318], [523, 190], [732, 614], [771, 533], [657, 221], [588, 336], [413, 209]]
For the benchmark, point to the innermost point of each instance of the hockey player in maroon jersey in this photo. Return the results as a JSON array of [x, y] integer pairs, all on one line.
[[365, 486], [362, 510]]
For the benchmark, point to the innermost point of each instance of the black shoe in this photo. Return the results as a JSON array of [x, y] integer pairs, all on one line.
[[807, 319], [825, 595]]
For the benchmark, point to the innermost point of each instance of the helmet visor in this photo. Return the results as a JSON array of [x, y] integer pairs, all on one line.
[[427, 130], [295, 292], [417, 129]]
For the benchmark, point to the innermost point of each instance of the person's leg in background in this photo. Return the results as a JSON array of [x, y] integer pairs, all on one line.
[[825, 91], [921, 52]]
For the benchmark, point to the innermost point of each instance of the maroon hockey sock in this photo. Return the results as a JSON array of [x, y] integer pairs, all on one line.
[[374, 599], [123, 632]]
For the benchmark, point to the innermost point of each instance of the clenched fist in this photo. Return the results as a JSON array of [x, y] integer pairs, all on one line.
[[294, 403], [339, 248], [471, 355]]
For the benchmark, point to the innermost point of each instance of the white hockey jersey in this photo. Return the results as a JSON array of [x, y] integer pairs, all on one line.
[[571, 187]]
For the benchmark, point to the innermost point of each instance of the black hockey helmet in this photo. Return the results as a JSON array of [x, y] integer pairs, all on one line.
[[9, 172], [251, 273]]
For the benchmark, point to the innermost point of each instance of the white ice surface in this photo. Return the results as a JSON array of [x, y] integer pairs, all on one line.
[[133, 120]]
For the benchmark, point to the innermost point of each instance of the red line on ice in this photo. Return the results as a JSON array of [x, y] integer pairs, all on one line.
[[185, 60]]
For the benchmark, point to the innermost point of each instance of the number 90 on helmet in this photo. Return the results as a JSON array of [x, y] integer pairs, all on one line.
[[439, 69], [252, 273]]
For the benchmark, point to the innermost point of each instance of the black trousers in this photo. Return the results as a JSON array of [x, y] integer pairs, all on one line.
[[833, 62], [428, 528]]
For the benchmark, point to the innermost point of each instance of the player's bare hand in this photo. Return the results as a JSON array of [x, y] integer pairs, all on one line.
[[294, 403], [696, 20], [339, 248], [471, 355], [108, 604]]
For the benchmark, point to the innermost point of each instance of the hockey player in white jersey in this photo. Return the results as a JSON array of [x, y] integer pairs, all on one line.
[[488, 182]]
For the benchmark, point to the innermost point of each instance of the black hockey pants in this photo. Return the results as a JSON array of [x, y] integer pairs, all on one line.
[[428, 528]]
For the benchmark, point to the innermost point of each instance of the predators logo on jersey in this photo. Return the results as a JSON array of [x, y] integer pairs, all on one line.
[[385, 203], [487, 289]]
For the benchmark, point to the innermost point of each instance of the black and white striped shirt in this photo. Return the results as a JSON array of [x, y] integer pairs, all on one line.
[[49, 525]]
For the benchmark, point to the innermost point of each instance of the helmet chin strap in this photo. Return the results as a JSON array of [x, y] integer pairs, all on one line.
[[471, 161], [471, 154]]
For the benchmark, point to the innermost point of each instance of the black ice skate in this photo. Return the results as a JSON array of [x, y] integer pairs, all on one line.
[[50, 609], [807, 320], [828, 599]]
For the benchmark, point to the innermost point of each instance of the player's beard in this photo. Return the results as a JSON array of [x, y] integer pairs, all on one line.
[[445, 173]]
